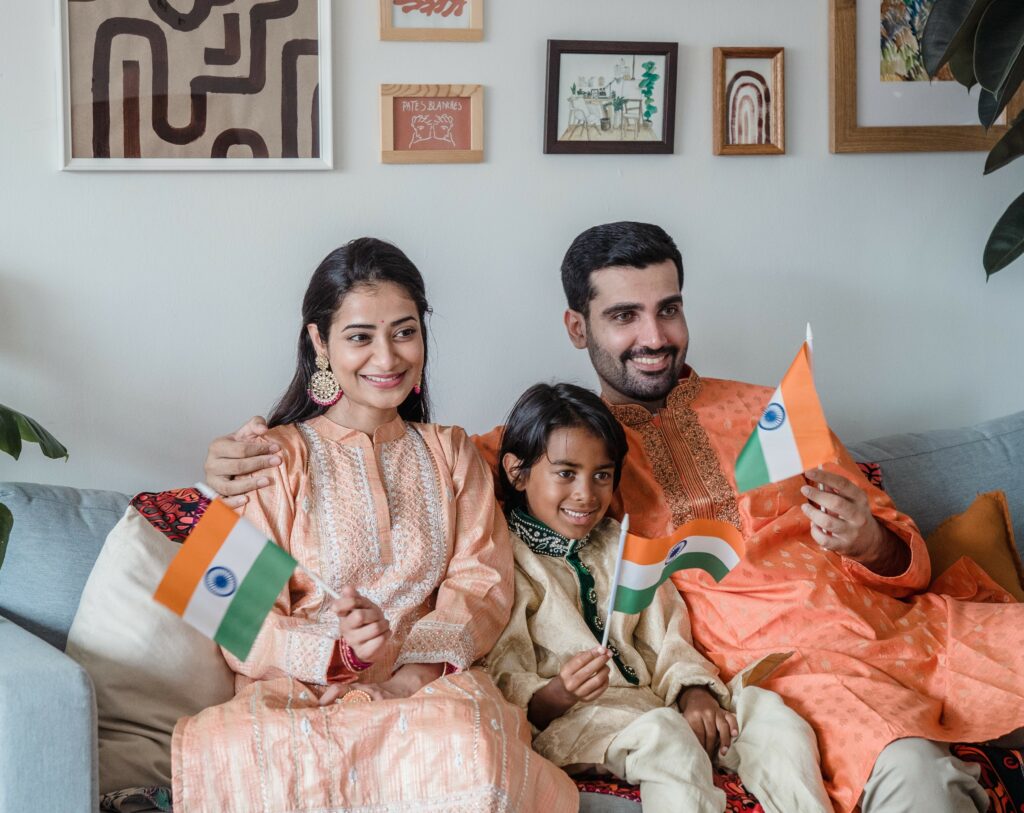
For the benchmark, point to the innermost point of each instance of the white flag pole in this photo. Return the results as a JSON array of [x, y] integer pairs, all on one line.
[[615, 580], [210, 494]]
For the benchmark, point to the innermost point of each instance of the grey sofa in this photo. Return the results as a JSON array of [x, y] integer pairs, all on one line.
[[47, 710]]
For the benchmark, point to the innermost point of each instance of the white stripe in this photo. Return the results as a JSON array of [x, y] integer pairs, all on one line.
[[205, 609], [781, 455], [640, 577]]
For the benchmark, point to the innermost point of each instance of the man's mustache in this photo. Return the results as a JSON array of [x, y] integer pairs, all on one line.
[[639, 352]]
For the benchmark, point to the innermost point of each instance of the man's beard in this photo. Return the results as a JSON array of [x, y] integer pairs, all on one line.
[[632, 383]]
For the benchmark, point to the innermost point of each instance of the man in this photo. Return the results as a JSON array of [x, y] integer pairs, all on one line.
[[885, 674]]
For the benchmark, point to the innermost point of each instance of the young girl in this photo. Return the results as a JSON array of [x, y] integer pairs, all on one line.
[[371, 702], [649, 708]]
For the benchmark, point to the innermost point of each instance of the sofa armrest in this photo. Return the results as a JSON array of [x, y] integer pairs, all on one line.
[[48, 744]]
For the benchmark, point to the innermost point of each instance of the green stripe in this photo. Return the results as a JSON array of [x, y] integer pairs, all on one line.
[[628, 600], [251, 604], [751, 468]]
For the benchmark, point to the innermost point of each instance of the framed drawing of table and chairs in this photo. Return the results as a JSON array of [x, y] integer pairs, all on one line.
[[610, 97]]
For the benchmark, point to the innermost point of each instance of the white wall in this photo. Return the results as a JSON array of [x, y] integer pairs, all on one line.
[[143, 314]]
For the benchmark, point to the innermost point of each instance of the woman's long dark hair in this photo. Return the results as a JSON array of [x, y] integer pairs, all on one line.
[[362, 262]]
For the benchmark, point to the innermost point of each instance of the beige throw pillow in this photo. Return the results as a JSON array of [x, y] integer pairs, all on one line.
[[148, 666]]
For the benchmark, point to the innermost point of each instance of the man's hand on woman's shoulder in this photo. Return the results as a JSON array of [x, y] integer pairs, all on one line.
[[232, 459]]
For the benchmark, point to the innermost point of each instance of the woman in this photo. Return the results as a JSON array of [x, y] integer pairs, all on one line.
[[371, 701]]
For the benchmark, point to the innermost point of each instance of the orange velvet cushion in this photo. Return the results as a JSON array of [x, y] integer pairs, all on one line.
[[985, 534]]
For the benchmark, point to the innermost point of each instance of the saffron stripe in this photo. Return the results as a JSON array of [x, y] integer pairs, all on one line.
[[810, 431], [193, 560], [254, 600], [644, 551]]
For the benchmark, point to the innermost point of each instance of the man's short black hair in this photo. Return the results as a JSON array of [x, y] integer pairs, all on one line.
[[541, 410], [634, 245]]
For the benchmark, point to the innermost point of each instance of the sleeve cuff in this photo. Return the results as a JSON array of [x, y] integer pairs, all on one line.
[[438, 642]]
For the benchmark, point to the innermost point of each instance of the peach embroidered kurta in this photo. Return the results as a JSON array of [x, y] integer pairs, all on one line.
[[407, 517], [876, 659]]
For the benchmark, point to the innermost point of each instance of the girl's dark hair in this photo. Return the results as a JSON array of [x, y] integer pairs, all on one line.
[[540, 411], [360, 263]]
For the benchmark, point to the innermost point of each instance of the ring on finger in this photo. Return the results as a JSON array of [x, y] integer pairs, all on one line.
[[356, 696]]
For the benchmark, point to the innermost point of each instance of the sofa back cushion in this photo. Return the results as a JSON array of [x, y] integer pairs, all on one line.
[[57, 535], [148, 666], [933, 475]]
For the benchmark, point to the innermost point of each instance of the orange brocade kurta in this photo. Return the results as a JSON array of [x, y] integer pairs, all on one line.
[[408, 517], [875, 659]]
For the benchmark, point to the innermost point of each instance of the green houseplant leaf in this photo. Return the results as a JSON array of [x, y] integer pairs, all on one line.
[[950, 26], [1006, 243], [6, 523], [999, 44], [1009, 148], [28, 430], [15, 428]]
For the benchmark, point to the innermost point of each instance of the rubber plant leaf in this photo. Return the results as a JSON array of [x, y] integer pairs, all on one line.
[[33, 432], [1009, 148], [10, 435], [951, 24], [961, 64], [1006, 243], [6, 523], [999, 44]]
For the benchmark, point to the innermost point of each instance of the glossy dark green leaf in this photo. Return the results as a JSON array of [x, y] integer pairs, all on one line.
[[1009, 148], [6, 523], [998, 43], [951, 23], [988, 109], [962, 64], [1006, 243], [10, 435], [33, 432]]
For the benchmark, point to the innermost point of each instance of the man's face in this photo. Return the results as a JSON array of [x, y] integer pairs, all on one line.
[[635, 334]]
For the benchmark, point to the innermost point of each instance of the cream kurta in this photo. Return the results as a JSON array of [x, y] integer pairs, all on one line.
[[549, 625], [409, 519]]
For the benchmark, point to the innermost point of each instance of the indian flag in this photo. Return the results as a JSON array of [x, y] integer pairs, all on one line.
[[225, 579], [792, 435], [706, 544]]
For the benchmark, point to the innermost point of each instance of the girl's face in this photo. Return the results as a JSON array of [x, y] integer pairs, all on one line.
[[570, 487], [376, 352]]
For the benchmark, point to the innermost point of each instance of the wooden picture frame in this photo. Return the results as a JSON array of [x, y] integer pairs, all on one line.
[[621, 109], [445, 122], [846, 135], [733, 135], [134, 123], [472, 32]]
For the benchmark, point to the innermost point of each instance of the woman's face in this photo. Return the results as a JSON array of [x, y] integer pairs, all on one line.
[[375, 347]]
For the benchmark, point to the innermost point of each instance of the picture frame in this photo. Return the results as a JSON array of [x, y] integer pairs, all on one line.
[[749, 101], [109, 121], [849, 96], [431, 124], [610, 97], [440, 20]]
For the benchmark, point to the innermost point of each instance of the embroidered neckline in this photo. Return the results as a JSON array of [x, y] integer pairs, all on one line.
[[540, 538], [682, 395]]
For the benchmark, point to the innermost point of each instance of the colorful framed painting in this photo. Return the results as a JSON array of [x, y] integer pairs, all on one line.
[[880, 96], [432, 20], [203, 84], [610, 97], [431, 124], [749, 101]]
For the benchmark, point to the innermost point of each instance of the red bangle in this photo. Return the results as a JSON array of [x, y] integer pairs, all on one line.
[[349, 659]]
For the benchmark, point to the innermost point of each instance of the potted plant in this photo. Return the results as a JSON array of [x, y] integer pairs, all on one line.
[[15, 428], [982, 42]]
